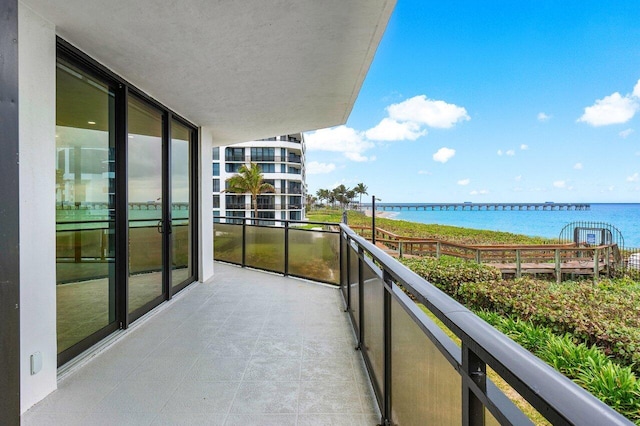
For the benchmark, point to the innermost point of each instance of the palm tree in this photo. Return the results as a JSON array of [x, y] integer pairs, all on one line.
[[249, 180], [361, 189], [350, 195], [340, 194], [322, 194]]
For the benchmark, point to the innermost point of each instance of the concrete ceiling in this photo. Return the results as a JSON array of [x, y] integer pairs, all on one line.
[[246, 68]]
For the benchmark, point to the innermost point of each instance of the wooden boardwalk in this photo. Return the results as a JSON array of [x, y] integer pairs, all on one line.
[[479, 206], [512, 260]]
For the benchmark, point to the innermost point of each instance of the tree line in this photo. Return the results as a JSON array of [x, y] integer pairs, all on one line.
[[341, 195]]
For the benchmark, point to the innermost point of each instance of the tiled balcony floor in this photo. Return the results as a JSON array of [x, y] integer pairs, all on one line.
[[247, 348]]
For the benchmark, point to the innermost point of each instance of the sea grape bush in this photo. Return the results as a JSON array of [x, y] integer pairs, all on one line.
[[607, 314], [448, 272], [600, 315]]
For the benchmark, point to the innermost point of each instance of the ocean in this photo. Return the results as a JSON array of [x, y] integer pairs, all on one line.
[[542, 223]]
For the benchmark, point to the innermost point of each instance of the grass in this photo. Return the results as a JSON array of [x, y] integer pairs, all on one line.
[[422, 230]]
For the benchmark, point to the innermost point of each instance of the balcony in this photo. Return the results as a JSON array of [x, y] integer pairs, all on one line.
[[256, 348], [295, 158], [247, 348]]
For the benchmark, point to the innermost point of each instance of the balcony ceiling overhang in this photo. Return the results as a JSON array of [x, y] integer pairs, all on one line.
[[248, 69]]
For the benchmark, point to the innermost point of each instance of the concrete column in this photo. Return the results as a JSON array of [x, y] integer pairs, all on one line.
[[37, 205], [205, 194]]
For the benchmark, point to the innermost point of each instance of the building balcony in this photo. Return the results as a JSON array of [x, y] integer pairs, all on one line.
[[246, 348]]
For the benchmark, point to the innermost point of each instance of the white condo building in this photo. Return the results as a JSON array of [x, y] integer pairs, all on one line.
[[281, 160]]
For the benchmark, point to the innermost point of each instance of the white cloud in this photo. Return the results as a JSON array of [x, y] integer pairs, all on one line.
[[444, 154], [633, 178], [560, 184], [611, 188], [433, 113], [391, 130], [499, 152], [625, 133], [356, 156], [339, 139], [524, 147], [543, 117], [464, 182], [577, 166], [612, 109], [480, 192], [518, 178], [510, 152], [424, 172], [636, 90], [317, 168]]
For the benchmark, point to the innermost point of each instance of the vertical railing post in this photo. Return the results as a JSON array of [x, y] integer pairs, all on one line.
[[386, 409], [348, 269], [286, 248], [473, 370], [400, 249], [360, 298], [373, 220], [596, 264], [558, 266], [478, 256], [518, 264], [438, 249], [244, 242]]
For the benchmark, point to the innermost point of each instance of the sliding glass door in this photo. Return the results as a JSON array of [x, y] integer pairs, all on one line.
[[85, 208], [181, 211], [145, 205], [125, 211]]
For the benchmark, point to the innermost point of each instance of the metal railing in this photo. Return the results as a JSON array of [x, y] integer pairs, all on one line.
[[298, 248], [419, 374]]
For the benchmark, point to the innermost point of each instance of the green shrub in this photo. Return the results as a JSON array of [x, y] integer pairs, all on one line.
[[448, 273], [588, 366], [593, 314]]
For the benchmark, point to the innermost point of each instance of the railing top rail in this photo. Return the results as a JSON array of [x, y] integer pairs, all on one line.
[[250, 220], [557, 397]]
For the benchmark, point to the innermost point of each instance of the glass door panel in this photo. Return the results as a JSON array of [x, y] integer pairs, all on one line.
[[181, 255], [85, 215], [144, 182]]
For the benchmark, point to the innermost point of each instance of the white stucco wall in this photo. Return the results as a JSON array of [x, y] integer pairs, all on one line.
[[205, 189], [37, 74]]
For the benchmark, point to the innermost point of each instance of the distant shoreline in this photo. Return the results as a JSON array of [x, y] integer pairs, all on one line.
[[380, 213]]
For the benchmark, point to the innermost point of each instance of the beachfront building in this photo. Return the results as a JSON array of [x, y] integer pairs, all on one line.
[[281, 160], [110, 111]]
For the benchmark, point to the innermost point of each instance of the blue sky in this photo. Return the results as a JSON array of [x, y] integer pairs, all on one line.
[[505, 101]]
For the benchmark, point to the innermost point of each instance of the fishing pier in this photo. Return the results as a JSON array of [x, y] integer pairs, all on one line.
[[478, 206]]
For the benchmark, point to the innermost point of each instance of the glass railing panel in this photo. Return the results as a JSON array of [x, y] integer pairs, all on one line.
[[265, 248], [374, 321], [426, 388], [227, 242], [315, 255], [145, 263], [84, 265], [343, 267], [355, 287], [181, 251]]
